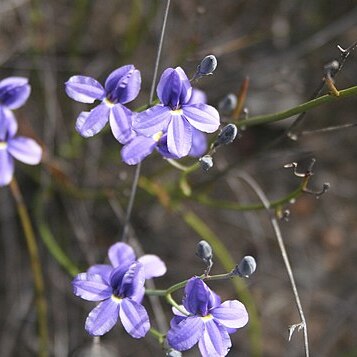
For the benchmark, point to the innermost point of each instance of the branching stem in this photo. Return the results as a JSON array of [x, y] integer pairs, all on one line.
[[270, 118], [259, 192]]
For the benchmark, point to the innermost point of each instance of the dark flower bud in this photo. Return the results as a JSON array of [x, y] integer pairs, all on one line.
[[204, 251], [206, 162], [228, 104], [227, 135], [246, 267], [173, 353], [207, 66]]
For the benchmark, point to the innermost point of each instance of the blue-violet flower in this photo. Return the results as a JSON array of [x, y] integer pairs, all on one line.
[[120, 288], [176, 116], [121, 87], [207, 321], [141, 146]]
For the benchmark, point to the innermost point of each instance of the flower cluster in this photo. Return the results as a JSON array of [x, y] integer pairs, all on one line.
[[119, 288], [175, 127], [14, 91]]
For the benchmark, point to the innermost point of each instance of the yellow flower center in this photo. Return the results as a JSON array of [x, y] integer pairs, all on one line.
[[207, 317], [3, 145], [108, 103], [176, 112], [157, 136], [116, 299]]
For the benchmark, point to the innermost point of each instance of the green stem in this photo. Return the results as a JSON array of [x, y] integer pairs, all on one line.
[[172, 302], [203, 199], [34, 255], [50, 241], [158, 335], [270, 118]]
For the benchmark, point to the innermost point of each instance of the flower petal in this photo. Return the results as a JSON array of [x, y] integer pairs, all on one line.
[[196, 298], [198, 96], [177, 312], [174, 88], [232, 313], [89, 124], [214, 300], [25, 150], [8, 124], [6, 167], [104, 270], [199, 143], [120, 120], [132, 285], [137, 149], [91, 287], [152, 120], [153, 266], [116, 277], [14, 92], [186, 334], [123, 84], [84, 89], [215, 340], [176, 320], [103, 317], [202, 116], [163, 149], [134, 318], [179, 136], [121, 253]]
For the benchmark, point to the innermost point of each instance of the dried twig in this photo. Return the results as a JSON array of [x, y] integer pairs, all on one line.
[[274, 222]]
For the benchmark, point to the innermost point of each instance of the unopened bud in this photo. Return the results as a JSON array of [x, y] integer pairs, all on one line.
[[204, 251], [246, 267], [227, 135], [173, 353], [228, 104], [207, 66], [206, 162]]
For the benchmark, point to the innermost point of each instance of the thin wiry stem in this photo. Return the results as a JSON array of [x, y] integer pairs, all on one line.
[[34, 256], [158, 55], [259, 192], [151, 97], [134, 186], [328, 129]]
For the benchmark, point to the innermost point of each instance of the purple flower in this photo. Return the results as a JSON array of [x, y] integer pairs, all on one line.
[[207, 321], [121, 87], [176, 116], [141, 146], [120, 288], [120, 294], [11, 146]]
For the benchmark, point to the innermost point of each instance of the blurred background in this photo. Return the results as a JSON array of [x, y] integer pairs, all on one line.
[[78, 196]]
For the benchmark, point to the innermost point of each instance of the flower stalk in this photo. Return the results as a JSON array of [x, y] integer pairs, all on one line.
[[34, 256]]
